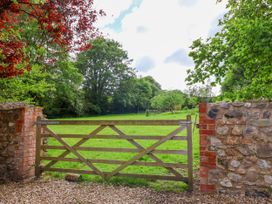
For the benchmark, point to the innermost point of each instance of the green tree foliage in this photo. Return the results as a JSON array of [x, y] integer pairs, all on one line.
[[31, 87], [168, 101], [57, 90], [155, 86], [142, 93], [196, 94], [104, 67], [123, 98], [134, 95], [239, 56], [67, 96]]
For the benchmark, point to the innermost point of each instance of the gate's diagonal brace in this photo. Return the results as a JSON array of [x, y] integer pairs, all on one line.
[[145, 151], [82, 141], [151, 155], [81, 158]]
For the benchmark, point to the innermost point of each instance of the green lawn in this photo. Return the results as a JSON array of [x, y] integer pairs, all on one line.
[[131, 130]]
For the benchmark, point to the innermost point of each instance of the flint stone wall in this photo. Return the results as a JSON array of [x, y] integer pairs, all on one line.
[[17, 141], [236, 148]]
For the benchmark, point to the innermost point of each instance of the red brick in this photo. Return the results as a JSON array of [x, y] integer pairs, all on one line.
[[203, 141], [208, 159], [203, 116], [208, 132], [208, 153], [204, 171], [204, 159], [211, 127], [207, 188], [203, 180], [203, 126], [203, 107], [210, 165], [207, 121]]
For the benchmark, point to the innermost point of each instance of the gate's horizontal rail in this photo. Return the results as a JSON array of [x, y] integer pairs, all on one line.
[[104, 149], [146, 176], [104, 161], [116, 137], [115, 122]]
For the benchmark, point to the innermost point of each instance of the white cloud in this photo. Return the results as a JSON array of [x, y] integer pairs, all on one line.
[[170, 76], [187, 2], [181, 57], [168, 26], [144, 64], [112, 8]]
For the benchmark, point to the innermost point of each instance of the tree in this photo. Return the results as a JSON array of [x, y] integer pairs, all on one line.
[[155, 86], [59, 25], [134, 95], [29, 87], [142, 93], [57, 90], [168, 101], [197, 93], [123, 98], [239, 56], [104, 67], [67, 96]]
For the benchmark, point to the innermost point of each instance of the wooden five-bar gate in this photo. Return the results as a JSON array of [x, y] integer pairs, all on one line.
[[43, 131]]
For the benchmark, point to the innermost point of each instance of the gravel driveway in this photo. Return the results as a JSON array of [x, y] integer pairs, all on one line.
[[60, 191]]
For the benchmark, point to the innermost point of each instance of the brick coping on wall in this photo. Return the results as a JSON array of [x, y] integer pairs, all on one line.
[[14, 105]]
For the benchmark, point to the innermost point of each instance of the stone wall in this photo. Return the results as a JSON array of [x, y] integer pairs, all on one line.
[[17, 141], [236, 148]]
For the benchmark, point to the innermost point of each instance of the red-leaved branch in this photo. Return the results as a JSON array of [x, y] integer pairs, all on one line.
[[68, 24]]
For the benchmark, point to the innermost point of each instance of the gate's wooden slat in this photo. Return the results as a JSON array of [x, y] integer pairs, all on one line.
[[182, 152], [104, 161], [64, 154], [107, 149], [141, 148], [92, 149], [146, 176], [146, 151], [190, 154], [155, 177], [134, 137], [75, 171], [115, 122], [72, 150]]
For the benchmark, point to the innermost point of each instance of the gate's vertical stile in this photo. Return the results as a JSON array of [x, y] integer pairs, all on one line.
[[190, 153], [38, 148]]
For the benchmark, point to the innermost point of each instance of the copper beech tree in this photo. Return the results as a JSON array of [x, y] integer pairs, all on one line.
[[65, 25]]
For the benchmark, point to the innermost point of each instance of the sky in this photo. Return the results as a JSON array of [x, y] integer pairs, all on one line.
[[157, 34]]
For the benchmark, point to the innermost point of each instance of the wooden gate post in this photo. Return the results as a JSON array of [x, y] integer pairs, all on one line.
[[190, 153]]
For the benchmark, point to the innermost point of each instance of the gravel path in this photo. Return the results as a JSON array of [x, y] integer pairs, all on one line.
[[59, 191]]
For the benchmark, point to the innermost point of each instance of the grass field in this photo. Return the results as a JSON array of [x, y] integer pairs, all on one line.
[[131, 130]]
